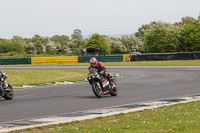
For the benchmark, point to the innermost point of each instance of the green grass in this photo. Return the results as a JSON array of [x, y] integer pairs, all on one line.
[[32, 77], [183, 118], [134, 63], [156, 63]]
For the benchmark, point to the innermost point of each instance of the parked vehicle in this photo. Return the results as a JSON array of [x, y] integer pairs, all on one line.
[[134, 53], [100, 85], [6, 90]]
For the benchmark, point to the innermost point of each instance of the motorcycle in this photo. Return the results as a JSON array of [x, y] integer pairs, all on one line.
[[6, 89], [100, 85]]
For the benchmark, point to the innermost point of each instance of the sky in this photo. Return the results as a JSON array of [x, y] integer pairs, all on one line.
[[26, 18]]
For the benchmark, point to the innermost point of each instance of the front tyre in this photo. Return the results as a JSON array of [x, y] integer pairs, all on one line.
[[9, 93], [114, 91], [97, 89]]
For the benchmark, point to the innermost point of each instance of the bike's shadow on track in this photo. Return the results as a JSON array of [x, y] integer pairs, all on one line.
[[92, 97], [2, 99]]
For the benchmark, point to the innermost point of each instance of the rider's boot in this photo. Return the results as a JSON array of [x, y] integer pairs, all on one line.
[[111, 82]]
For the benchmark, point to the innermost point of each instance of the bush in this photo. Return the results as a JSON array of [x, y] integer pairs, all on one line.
[[98, 41], [9, 46]]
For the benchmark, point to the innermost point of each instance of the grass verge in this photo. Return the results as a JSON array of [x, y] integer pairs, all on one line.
[[176, 118], [32, 77], [156, 63], [134, 63]]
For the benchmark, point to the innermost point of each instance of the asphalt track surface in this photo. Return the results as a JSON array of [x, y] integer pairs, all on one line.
[[138, 84]]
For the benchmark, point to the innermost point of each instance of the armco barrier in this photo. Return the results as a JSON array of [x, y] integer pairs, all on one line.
[[114, 58], [15, 61], [167, 56], [54, 60]]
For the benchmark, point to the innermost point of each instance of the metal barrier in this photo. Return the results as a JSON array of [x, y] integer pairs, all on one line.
[[167, 56], [15, 61], [60, 60], [114, 58], [54, 60]]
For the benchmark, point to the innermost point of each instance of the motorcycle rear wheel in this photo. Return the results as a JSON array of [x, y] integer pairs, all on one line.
[[9, 94], [97, 91]]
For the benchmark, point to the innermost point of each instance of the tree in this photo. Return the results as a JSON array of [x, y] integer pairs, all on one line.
[[162, 37], [190, 38], [18, 39], [116, 45], [38, 43], [133, 43], [199, 17], [74, 46], [30, 48], [138, 45], [76, 43], [52, 48], [127, 42], [142, 30], [97, 41], [7, 46], [77, 34], [41, 45], [60, 39], [189, 21]]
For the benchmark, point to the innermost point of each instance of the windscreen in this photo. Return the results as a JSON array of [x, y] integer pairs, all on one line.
[[92, 70], [1, 75]]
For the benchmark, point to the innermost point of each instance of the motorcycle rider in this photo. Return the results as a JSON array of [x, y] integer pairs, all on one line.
[[101, 69], [3, 78]]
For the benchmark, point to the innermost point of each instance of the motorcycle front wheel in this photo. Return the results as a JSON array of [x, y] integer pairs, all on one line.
[[114, 91], [9, 93], [97, 89]]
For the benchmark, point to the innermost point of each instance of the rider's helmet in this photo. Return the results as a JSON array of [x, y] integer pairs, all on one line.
[[93, 61]]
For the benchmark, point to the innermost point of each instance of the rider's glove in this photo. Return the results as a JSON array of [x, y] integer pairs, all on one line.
[[101, 72]]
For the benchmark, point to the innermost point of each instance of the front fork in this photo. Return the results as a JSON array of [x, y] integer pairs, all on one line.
[[3, 85], [98, 85], [1, 89]]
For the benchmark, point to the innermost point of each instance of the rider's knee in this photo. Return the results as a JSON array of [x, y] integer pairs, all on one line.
[[106, 74]]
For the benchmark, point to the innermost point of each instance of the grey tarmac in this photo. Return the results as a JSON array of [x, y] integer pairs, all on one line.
[[138, 84]]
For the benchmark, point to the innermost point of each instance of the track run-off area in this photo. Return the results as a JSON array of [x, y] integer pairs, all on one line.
[[136, 85]]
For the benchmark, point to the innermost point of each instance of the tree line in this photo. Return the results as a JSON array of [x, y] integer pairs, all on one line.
[[161, 37], [155, 37]]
